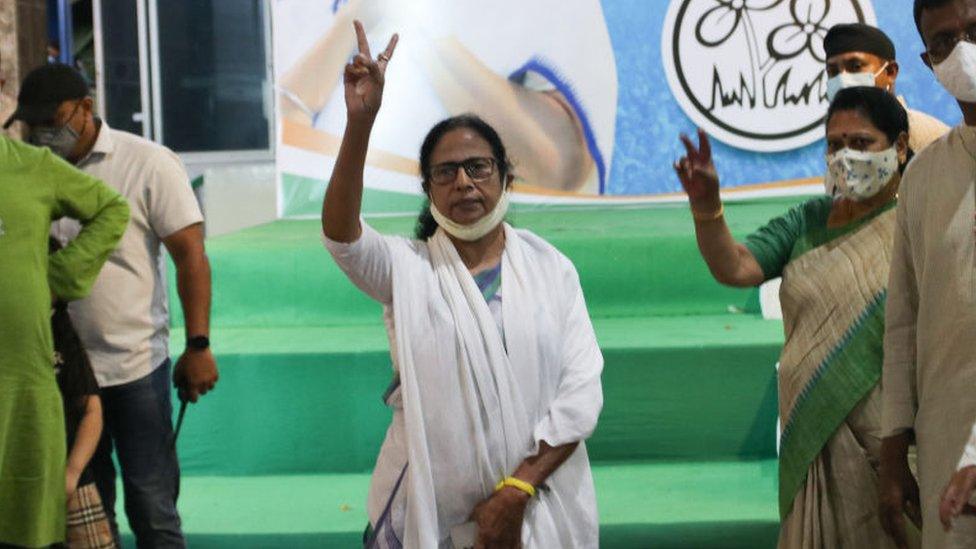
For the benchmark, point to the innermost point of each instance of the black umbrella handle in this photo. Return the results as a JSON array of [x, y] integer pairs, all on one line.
[[179, 421]]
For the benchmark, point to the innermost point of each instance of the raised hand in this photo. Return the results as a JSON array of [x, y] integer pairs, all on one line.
[[363, 78], [697, 173]]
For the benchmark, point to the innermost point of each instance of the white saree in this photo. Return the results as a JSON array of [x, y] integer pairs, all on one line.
[[475, 404]]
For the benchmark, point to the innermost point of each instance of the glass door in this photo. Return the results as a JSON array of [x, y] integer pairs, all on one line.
[[193, 75], [121, 58], [209, 60]]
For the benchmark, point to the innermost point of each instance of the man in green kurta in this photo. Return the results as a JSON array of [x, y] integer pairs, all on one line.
[[36, 187]]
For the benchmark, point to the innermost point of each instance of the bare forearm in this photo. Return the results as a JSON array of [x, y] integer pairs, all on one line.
[[86, 439], [729, 262], [536, 469], [343, 198], [193, 285]]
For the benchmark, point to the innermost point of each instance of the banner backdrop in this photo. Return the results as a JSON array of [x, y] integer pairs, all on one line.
[[589, 96]]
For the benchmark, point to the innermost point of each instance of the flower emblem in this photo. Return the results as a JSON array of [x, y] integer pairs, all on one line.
[[720, 22], [805, 33]]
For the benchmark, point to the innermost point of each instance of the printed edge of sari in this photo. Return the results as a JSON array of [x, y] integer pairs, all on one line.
[[827, 399]]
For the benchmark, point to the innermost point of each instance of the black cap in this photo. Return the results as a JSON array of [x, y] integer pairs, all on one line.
[[850, 37], [43, 91]]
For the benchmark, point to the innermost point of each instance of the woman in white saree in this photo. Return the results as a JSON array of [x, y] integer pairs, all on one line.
[[497, 367]]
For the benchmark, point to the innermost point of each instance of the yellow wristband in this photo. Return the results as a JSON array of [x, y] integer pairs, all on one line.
[[708, 216], [517, 484]]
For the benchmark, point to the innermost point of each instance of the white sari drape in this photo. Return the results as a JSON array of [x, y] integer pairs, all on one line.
[[476, 406]]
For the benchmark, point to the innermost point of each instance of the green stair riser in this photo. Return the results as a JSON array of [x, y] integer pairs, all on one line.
[[311, 413], [632, 262]]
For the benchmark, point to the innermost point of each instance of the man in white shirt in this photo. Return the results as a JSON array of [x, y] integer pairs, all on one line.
[[862, 55], [124, 323]]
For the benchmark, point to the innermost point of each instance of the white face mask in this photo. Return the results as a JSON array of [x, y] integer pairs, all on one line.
[[957, 73], [859, 175], [479, 228], [843, 80]]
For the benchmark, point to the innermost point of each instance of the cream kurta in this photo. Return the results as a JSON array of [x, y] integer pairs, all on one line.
[[930, 338], [923, 129]]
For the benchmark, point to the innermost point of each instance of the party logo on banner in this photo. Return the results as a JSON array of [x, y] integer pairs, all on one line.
[[751, 72]]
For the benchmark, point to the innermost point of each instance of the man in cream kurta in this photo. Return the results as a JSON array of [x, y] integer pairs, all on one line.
[[930, 339]]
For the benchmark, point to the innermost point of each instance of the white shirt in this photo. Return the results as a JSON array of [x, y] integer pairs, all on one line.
[[969, 452], [124, 322]]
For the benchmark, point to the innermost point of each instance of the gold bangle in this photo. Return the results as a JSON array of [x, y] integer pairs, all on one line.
[[708, 216], [518, 484]]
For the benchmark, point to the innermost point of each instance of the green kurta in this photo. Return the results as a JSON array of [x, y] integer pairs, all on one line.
[[36, 188]]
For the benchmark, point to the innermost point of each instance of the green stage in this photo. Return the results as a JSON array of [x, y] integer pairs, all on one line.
[[684, 455]]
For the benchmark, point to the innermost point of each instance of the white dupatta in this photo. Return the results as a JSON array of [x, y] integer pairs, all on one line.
[[474, 410]]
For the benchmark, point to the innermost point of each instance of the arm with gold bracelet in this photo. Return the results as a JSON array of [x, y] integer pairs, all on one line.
[[730, 262]]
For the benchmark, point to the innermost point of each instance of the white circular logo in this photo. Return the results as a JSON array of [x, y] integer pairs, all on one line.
[[751, 72]]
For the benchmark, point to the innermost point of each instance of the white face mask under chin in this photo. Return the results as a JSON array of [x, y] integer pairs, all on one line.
[[957, 73], [479, 228], [859, 175]]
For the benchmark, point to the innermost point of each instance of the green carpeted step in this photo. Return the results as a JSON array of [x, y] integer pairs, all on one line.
[[683, 454], [308, 400], [665, 505], [633, 262]]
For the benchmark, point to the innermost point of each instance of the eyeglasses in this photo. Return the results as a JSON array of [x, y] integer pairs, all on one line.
[[55, 123], [943, 43], [477, 168]]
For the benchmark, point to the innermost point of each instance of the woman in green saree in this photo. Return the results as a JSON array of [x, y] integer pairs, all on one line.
[[833, 253]]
